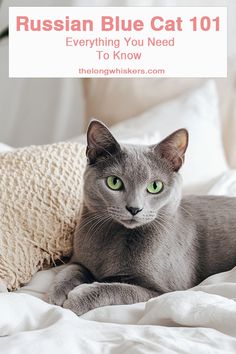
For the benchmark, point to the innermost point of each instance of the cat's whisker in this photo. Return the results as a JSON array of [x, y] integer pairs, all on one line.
[[98, 224], [91, 220], [186, 211], [108, 220], [83, 224], [94, 225]]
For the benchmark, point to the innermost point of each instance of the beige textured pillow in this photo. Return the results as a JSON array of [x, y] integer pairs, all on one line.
[[40, 198]]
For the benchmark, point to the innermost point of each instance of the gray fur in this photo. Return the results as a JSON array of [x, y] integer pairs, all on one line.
[[172, 244]]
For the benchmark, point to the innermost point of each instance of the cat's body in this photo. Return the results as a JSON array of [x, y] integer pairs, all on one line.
[[166, 244], [191, 248]]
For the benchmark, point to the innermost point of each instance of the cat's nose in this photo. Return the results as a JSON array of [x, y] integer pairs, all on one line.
[[133, 210]]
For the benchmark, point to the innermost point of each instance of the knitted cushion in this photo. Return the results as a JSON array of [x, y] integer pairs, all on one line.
[[40, 198]]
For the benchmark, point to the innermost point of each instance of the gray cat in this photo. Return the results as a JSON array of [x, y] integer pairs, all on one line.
[[137, 238]]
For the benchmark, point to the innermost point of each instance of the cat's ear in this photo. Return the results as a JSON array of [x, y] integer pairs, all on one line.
[[100, 142], [173, 148]]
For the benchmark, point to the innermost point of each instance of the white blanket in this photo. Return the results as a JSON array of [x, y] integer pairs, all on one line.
[[200, 320]]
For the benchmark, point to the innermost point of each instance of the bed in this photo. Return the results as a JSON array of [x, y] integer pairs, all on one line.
[[201, 320]]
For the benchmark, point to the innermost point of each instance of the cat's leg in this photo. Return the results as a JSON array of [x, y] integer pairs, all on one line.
[[86, 297], [66, 280]]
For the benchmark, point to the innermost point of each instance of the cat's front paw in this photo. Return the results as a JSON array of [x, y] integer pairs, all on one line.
[[84, 298], [57, 295]]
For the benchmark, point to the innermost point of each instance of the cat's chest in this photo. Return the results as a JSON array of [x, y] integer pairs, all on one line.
[[118, 255], [154, 260]]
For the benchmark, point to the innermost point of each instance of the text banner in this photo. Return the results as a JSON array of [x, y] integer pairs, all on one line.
[[118, 42]]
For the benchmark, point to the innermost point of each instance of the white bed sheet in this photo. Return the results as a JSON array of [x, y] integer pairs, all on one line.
[[200, 320]]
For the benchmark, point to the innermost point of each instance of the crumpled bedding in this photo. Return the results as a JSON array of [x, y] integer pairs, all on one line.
[[199, 320]]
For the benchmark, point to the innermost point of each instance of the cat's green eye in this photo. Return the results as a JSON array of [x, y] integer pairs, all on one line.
[[114, 183], [155, 187]]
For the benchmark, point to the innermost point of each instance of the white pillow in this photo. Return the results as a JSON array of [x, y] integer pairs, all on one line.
[[198, 112], [4, 147]]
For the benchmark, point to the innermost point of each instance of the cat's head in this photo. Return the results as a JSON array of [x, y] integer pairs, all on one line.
[[132, 184]]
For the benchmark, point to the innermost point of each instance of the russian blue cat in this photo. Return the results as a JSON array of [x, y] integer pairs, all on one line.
[[137, 237]]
